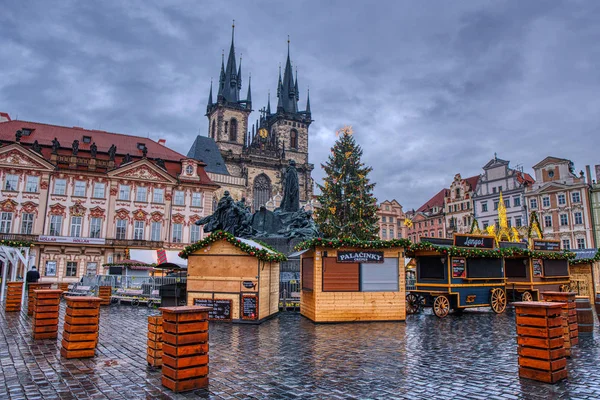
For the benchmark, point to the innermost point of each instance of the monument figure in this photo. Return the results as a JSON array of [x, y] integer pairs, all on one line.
[[93, 150], [55, 146], [75, 147], [111, 152], [18, 136], [291, 193], [36, 147]]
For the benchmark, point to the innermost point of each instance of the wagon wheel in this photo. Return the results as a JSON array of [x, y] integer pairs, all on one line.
[[526, 296], [414, 303], [565, 288], [498, 300], [114, 300], [135, 302], [150, 304], [441, 306]]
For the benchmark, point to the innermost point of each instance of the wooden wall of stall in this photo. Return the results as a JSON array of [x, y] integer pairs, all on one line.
[[583, 280], [320, 306]]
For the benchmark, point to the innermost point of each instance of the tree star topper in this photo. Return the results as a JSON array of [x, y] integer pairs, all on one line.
[[346, 130]]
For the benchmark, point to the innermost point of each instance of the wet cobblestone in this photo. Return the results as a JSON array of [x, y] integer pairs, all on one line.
[[469, 356]]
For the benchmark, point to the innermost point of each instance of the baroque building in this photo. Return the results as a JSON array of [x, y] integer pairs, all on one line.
[[391, 220], [429, 219], [459, 205], [248, 159], [562, 201], [84, 197], [595, 202]]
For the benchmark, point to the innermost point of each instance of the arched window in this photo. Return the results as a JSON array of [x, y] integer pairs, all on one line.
[[294, 139], [233, 130], [262, 191], [214, 129]]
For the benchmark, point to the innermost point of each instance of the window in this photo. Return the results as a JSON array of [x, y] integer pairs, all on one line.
[[439, 233], [26, 131], [484, 207], [138, 230], [384, 233], [98, 190], [564, 220], [60, 187], [214, 129], [95, 227], [439, 221], [233, 130], [509, 222], [518, 222], [71, 268], [496, 204], [5, 222], [141, 146], [155, 231], [566, 244], [159, 196], [575, 197], [533, 204], [548, 221], [179, 198], [578, 218], [507, 203], [76, 226], [517, 201], [87, 139], [294, 139], [581, 243], [32, 184], [50, 269], [91, 268], [11, 182], [79, 189], [562, 199], [197, 199], [55, 225], [121, 229], [382, 219], [392, 219], [194, 233], [27, 224], [545, 201], [124, 192], [381, 277], [391, 233], [452, 223], [177, 233], [485, 224], [493, 190], [141, 194]]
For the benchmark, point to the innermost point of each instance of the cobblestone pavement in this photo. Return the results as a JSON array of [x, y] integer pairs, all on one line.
[[462, 356]]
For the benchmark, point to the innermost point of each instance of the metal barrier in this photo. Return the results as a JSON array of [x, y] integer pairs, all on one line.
[[411, 284], [289, 295]]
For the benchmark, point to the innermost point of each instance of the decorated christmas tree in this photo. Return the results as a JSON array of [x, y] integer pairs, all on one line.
[[348, 208]]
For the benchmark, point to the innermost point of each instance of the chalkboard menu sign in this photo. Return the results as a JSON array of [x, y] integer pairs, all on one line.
[[437, 241], [537, 267], [548, 245], [360, 256], [249, 307], [221, 308], [458, 267], [477, 241], [506, 245]]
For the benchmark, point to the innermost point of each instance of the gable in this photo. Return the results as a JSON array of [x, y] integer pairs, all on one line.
[[142, 170], [552, 161], [15, 156]]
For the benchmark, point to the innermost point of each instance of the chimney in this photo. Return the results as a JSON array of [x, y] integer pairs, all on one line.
[[588, 173], [162, 141], [4, 117]]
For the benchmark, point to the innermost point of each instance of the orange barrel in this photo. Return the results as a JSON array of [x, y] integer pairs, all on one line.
[[585, 316]]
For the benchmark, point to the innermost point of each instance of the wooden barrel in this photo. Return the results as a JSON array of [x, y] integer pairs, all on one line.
[[585, 316]]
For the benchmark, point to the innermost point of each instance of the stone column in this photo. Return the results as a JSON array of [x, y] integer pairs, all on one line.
[[14, 291], [45, 313], [80, 335], [185, 348]]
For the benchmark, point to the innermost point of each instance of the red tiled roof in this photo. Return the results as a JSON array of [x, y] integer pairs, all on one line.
[[472, 181], [435, 201], [524, 178], [45, 133]]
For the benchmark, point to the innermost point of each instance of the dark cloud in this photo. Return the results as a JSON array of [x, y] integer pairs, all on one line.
[[431, 88]]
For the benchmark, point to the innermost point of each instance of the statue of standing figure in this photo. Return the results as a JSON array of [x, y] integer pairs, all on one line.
[[93, 150], [291, 189], [55, 146], [111, 152]]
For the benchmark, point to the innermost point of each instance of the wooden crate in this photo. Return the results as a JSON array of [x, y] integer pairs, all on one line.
[[14, 291], [540, 340], [185, 348], [45, 313], [30, 296], [155, 341], [104, 292], [569, 312], [80, 335]]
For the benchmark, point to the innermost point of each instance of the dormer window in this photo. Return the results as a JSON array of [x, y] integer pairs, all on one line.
[[26, 131], [141, 146], [87, 139], [189, 170]]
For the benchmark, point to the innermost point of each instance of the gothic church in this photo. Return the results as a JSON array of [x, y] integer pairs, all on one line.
[[248, 159]]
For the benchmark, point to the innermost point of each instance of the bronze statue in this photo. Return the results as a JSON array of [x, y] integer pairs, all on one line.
[[145, 151], [111, 152], [75, 147], [160, 162], [291, 193], [126, 159], [93, 150], [18, 136], [55, 146], [36, 147]]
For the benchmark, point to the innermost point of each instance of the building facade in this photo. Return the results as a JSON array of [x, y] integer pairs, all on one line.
[[459, 205], [499, 177], [86, 201], [562, 201], [391, 220], [429, 220], [254, 156], [595, 204]]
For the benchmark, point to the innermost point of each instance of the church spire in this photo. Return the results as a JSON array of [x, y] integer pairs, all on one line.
[[210, 98], [269, 103], [222, 74], [287, 92], [249, 95], [231, 88], [239, 74], [308, 101]]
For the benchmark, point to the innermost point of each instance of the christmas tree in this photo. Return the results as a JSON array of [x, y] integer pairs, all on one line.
[[348, 208]]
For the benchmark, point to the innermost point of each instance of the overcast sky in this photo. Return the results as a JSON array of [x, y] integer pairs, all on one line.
[[431, 88]]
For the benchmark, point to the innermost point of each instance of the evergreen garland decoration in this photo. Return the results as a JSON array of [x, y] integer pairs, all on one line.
[[15, 243], [355, 243], [490, 253], [586, 260], [348, 207], [261, 254]]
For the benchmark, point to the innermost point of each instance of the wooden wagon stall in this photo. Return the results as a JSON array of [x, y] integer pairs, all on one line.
[[459, 273], [584, 271], [529, 272], [238, 277], [348, 280]]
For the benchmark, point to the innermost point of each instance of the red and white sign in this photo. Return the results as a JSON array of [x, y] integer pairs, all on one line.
[[69, 239]]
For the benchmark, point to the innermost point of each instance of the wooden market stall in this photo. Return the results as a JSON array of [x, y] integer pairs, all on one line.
[[585, 272], [238, 277], [347, 280], [529, 272]]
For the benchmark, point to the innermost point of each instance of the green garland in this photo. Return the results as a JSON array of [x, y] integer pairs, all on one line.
[[347, 242], [586, 260], [15, 243], [261, 254], [490, 253]]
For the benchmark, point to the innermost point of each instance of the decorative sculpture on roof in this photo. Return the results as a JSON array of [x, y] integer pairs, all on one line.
[[75, 147], [126, 159], [111, 152], [55, 146], [36, 147], [18, 136], [145, 151], [161, 163], [93, 150]]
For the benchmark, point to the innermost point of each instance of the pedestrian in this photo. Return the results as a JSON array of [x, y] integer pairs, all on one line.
[[32, 275]]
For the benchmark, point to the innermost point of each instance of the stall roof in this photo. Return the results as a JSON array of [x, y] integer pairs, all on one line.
[[151, 256], [259, 246], [581, 254]]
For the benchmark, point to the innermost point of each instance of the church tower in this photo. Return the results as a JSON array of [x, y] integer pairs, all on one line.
[[228, 116]]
